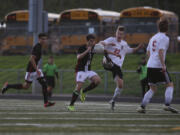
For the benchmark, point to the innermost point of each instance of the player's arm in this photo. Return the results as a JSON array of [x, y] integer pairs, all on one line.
[[161, 57], [32, 60], [106, 44], [81, 55], [148, 55], [138, 47]]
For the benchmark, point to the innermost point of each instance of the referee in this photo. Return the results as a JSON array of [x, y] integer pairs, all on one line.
[[50, 71]]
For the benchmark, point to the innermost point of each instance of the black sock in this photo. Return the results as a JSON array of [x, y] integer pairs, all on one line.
[[74, 97], [49, 94], [90, 87], [15, 86], [44, 89]]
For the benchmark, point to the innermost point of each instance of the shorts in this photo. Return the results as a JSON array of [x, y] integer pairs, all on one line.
[[81, 76], [30, 76], [50, 81], [156, 76], [116, 71]]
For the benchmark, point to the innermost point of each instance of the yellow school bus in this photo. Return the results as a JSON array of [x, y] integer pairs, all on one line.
[[141, 25], [75, 24], [17, 39]]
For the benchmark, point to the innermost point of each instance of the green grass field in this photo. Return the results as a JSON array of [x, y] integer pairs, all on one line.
[[68, 61], [20, 117]]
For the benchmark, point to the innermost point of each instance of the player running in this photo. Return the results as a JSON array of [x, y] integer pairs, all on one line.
[[157, 71], [116, 49], [83, 71], [33, 72]]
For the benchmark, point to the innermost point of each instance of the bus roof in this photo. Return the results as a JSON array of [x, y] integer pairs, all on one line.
[[101, 13], [161, 12], [51, 16]]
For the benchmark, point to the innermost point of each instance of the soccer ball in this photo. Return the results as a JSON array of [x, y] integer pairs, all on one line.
[[99, 48]]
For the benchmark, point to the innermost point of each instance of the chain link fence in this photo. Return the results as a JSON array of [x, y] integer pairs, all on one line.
[[66, 82]]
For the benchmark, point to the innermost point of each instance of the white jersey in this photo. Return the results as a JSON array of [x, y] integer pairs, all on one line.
[[157, 42], [120, 48]]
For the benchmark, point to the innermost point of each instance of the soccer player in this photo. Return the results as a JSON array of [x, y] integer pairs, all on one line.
[[50, 71], [83, 71], [117, 48], [33, 72], [142, 70], [157, 71]]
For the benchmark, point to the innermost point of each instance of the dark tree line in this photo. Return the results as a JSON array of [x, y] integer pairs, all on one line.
[[57, 6]]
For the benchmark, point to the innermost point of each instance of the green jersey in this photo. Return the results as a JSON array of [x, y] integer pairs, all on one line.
[[50, 70], [143, 73]]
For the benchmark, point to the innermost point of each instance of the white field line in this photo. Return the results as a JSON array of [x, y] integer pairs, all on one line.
[[86, 125], [90, 118], [85, 113]]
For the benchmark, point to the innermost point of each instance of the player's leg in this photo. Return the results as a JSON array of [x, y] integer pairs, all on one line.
[[19, 86], [80, 78], [169, 94], [143, 85], [49, 89], [95, 81]]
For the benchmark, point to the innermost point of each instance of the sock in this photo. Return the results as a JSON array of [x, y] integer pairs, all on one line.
[[117, 92], [15, 86], [90, 87], [44, 89], [74, 97], [49, 94], [168, 95], [147, 98]]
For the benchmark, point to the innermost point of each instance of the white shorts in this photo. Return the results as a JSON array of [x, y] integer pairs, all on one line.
[[81, 76], [30, 76]]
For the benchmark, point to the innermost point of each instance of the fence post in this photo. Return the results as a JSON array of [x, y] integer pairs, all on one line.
[[61, 81], [177, 84], [105, 81]]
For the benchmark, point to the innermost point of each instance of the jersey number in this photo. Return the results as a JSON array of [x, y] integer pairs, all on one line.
[[154, 46], [116, 51]]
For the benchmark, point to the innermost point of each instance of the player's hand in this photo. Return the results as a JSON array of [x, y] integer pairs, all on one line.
[[163, 69], [118, 55], [141, 45], [38, 72]]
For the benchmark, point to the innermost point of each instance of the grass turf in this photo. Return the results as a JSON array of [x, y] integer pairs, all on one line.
[[30, 117]]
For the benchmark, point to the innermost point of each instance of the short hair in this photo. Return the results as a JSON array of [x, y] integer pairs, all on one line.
[[90, 36], [42, 35], [163, 25], [121, 28]]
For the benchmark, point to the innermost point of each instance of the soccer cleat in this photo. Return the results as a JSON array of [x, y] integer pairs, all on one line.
[[71, 108], [112, 103], [4, 88], [48, 104], [171, 109], [82, 96], [141, 110]]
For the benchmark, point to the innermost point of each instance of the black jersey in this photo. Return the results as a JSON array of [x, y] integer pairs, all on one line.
[[84, 64], [36, 51]]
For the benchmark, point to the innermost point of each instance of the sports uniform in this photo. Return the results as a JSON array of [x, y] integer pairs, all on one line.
[[121, 48], [83, 66], [155, 74]]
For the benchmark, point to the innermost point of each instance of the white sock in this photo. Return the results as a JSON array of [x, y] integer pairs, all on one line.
[[117, 92], [147, 97], [168, 95]]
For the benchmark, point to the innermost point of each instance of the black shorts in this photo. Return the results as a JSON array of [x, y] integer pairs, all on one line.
[[156, 76], [50, 81], [116, 70]]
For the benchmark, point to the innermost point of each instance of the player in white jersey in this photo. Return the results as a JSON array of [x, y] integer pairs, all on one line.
[[157, 72], [116, 49]]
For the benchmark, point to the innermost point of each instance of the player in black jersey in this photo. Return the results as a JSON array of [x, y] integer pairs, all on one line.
[[33, 72], [83, 71]]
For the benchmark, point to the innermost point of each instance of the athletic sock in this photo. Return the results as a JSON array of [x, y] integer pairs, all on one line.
[[90, 87], [74, 97], [168, 95], [117, 92], [147, 98], [15, 86]]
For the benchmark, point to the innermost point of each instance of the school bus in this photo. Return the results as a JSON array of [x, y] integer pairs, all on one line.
[[141, 25], [75, 24], [17, 39]]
